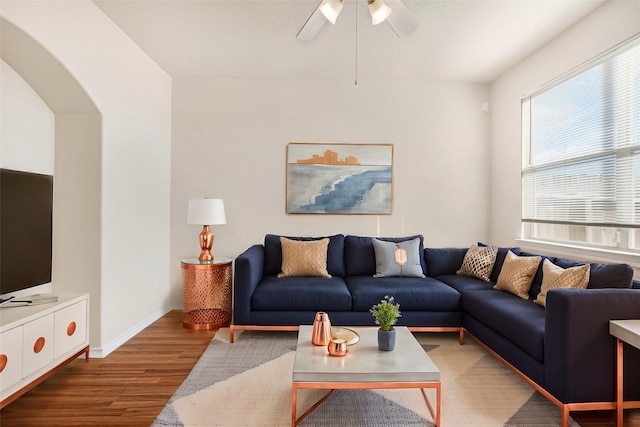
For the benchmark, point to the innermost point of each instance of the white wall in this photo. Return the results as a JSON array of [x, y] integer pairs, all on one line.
[[606, 27], [129, 198], [230, 138], [26, 125]]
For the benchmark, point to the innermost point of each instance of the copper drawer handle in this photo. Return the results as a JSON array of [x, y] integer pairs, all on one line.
[[3, 361], [71, 328], [39, 345]]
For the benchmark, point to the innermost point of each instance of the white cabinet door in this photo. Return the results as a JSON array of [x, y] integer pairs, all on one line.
[[37, 350], [70, 328], [10, 357]]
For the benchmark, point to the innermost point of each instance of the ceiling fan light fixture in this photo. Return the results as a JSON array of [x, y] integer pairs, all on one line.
[[379, 11], [331, 9]]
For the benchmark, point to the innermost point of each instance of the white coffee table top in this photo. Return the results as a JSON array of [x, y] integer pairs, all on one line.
[[408, 362], [627, 330]]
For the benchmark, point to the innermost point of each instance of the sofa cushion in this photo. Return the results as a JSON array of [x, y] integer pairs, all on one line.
[[603, 275], [412, 293], [555, 277], [463, 284], [478, 262], [360, 258], [301, 294], [443, 261], [273, 254], [387, 264], [304, 258], [520, 321], [517, 274]]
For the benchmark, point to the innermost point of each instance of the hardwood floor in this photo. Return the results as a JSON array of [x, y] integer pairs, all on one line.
[[130, 387]]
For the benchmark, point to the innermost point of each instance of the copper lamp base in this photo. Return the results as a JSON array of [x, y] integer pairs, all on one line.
[[206, 243]]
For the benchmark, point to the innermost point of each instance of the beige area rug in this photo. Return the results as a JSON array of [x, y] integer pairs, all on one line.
[[248, 383]]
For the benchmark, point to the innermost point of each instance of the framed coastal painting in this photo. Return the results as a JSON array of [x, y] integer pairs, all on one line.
[[339, 178]]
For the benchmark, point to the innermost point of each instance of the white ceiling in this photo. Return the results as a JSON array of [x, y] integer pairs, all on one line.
[[456, 40]]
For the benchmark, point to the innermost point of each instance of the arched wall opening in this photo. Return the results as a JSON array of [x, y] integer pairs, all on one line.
[[77, 166]]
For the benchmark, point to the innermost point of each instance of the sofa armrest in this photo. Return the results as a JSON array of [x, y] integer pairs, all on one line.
[[579, 352], [249, 266]]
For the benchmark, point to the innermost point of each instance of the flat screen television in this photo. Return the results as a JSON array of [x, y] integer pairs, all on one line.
[[26, 230]]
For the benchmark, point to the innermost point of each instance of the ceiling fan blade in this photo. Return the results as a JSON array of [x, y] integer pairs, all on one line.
[[400, 19], [313, 25]]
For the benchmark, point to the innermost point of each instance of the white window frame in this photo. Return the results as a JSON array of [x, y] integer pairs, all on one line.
[[622, 240]]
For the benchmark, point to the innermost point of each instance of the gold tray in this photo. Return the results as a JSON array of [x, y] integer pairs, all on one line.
[[349, 335]]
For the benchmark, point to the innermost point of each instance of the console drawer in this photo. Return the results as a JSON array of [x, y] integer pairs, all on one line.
[[70, 328], [37, 348], [10, 357]]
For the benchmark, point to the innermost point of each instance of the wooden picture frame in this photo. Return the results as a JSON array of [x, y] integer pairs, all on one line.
[[337, 178]]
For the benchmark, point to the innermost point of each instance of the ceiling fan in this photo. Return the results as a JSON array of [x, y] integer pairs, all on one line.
[[392, 11]]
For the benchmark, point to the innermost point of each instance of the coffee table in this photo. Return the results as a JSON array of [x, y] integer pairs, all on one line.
[[625, 331], [364, 367]]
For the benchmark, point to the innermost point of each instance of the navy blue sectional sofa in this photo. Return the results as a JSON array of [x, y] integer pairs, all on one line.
[[564, 350]]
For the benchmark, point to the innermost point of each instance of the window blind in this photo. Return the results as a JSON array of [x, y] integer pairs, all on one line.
[[581, 146]]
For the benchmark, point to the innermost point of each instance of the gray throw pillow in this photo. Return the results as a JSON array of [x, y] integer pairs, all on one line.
[[386, 265]]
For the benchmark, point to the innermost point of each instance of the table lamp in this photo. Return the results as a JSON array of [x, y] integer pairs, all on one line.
[[206, 212]]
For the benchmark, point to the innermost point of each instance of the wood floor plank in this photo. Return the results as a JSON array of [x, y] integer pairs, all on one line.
[[130, 386]]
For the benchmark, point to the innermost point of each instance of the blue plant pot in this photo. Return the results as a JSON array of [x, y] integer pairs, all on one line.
[[386, 340]]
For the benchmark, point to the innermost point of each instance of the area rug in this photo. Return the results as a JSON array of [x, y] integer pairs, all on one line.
[[248, 383]]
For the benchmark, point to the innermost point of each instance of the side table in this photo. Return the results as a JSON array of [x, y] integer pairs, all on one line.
[[206, 293], [625, 331]]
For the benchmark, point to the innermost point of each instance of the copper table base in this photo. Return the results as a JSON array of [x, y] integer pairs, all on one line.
[[212, 318]]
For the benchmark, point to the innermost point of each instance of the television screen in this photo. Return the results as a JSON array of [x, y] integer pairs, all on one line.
[[26, 229]]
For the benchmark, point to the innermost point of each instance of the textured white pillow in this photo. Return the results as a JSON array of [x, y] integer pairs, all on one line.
[[554, 277], [478, 262], [517, 274], [304, 258]]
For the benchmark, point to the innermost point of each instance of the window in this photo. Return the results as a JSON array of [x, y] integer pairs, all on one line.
[[581, 155]]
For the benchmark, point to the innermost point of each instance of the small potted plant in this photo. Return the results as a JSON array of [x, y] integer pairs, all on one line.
[[386, 314]]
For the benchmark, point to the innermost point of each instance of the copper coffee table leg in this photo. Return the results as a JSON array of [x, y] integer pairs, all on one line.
[[294, 395], [313, 408], [619, 384], [435, 412]]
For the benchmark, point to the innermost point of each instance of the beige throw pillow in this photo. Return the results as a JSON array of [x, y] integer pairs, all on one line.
[[304, 258], [517, 274], [554, 277], [478, 262]]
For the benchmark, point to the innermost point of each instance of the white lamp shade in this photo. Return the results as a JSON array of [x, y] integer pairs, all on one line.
[[206, 212], [379, 11], [331, 9]]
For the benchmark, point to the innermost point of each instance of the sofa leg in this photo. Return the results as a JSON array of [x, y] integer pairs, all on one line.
[[231, 337], [565, 416], [461, 336]]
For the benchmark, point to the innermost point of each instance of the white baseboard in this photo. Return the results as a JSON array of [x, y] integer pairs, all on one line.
[[102, 352]]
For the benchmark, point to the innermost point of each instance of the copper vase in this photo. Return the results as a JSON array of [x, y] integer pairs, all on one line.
[[321, 334]]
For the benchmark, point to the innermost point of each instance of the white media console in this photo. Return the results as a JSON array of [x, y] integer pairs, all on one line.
[[37, 340]]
